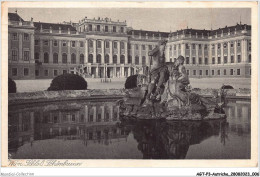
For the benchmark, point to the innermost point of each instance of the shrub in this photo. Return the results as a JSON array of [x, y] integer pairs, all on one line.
[[68, 82], [131, 82], [11, 86]]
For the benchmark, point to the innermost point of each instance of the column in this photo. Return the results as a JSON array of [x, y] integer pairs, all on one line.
[[123, 71], [146, 55], [86, 51], [20, 46], [97, 74], [140, 54], [244, 52], [129, 71], [94, 51], [177, 50], [222, 53], [216, 53], [235, 52], [118, 52], [133, 53], [197, 53], [31, 46], [32, 120], [191, 54], [77, 52], [60, 56], [50, 54], [210, 55], [228, 56], [94, 114], [111, 112], [102, 113], [183, 50], [86, 113], [126, 53], [110, 52], [203, 54], [69, 55], [102, 52]]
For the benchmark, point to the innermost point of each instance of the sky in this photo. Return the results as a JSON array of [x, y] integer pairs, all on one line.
[[154, 19]]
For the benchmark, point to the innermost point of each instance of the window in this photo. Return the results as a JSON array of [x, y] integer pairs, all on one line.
[[55, 58], [200, 72], [46, 58], [98, 58], [98, 27], [249, 58], [14, 55], [26, 37], [218, 72], [122, 59], [207, 72], [143, 60], [64, 58], [114, 59], [36, 42], [231, 44], [81, 43], [81, 59], [90, 27], [187, 60], [64, 71], [219, 60], [137, 60], [213, 46], [73, 58], [200, 61], [188, 72], [194, 72], [170, 59], [64, 43], [106, 58], [225, 59], [98, 44], [238, 58], [225, 72], [115, 45], [90, 43], [45, 42], [90, 58], [14, 71], [107, 44], [55, 43], [187, 47], [219, 46], [193, 60], [14, 36], [73, 43], [136, 47], [213, 60], [26, 55], [238, 72], [231, 72], [232, 59], [238, 43], [122, 29], [122, 45], [249, 46], [199, 46], [106, 28], [206, 61], [36, 56], [36, 72], [205, 47], [46, 72], [175, 47], [55, 72], [129, 59], [150, 47], [114, 28], [212, 72], [25, 71], [143, 47], [225, 45]]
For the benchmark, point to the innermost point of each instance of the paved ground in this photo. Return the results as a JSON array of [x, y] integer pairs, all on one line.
[[43, 84]]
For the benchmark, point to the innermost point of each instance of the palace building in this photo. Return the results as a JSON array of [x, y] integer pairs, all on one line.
[[105, 48]]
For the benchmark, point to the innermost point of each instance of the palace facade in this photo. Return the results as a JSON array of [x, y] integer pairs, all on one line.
[[104, 48]]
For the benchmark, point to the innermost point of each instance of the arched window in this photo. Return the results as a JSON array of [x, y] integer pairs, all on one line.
[[73, 58], [129, 59], [99, 44], [114, 59], [55, 58], [81, 59], [143, 60], [98, 58], [249, 58], [36, 55], [122, 45], [106, 58], [64, 58], [90, 43], [122, 59], [46, 57], [90, 58], [137, 60]]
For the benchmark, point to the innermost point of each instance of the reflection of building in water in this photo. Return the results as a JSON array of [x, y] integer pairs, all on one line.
[[239, 117], [171, 139], [91, 123]]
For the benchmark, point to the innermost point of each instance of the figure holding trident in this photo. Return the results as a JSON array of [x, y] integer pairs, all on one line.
[[158, 74]]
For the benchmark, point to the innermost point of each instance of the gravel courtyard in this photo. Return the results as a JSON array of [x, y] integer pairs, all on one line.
[[118, 83]]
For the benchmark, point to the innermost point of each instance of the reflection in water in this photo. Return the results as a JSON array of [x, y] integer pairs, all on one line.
[[93, 130]]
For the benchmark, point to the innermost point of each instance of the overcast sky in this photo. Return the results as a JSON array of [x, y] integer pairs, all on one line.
[[170, 19]]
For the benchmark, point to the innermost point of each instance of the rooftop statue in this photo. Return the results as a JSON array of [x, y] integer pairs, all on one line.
[[166, 93]]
